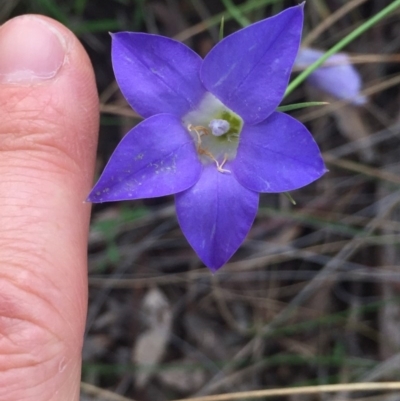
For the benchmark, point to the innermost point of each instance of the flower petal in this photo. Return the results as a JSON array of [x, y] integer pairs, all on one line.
[[156, 74], [277, 155], [249, 70], [215, 215], [336, 77], [156, 158]]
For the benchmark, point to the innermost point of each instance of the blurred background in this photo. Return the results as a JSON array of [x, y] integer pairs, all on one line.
[[313, 295]]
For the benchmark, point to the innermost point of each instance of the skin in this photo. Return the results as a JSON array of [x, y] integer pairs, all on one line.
[[48, 137]]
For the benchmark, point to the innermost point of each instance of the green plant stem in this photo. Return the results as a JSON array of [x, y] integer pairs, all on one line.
[[341, 44]]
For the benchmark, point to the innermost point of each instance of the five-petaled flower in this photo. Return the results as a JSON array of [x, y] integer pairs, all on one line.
[[212, 135]]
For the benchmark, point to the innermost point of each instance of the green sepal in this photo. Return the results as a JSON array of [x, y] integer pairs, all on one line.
[[287, 194]]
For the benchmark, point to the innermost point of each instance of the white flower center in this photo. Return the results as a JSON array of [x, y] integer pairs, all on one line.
[[215, 130]]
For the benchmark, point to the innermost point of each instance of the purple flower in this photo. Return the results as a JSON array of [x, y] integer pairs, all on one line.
[[336, 77], [211, 134]]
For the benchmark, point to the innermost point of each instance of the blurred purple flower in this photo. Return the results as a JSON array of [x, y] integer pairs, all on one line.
[[336, 77], [211, 134]]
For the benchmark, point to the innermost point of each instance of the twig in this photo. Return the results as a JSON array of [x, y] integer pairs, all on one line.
[[105, 394], [326, 23], [279, 392]]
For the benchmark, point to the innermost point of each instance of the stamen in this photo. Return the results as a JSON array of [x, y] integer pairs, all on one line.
[[219, 167], [199, 130], [211, 156]]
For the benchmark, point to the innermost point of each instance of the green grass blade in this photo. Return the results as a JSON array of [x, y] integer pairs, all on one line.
[[236, 13], [296, 106], [341, 44]]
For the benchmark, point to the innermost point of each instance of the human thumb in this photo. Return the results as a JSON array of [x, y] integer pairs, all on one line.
[[48, 134]]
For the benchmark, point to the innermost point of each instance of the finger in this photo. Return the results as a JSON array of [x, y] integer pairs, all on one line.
[[48, 133]]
